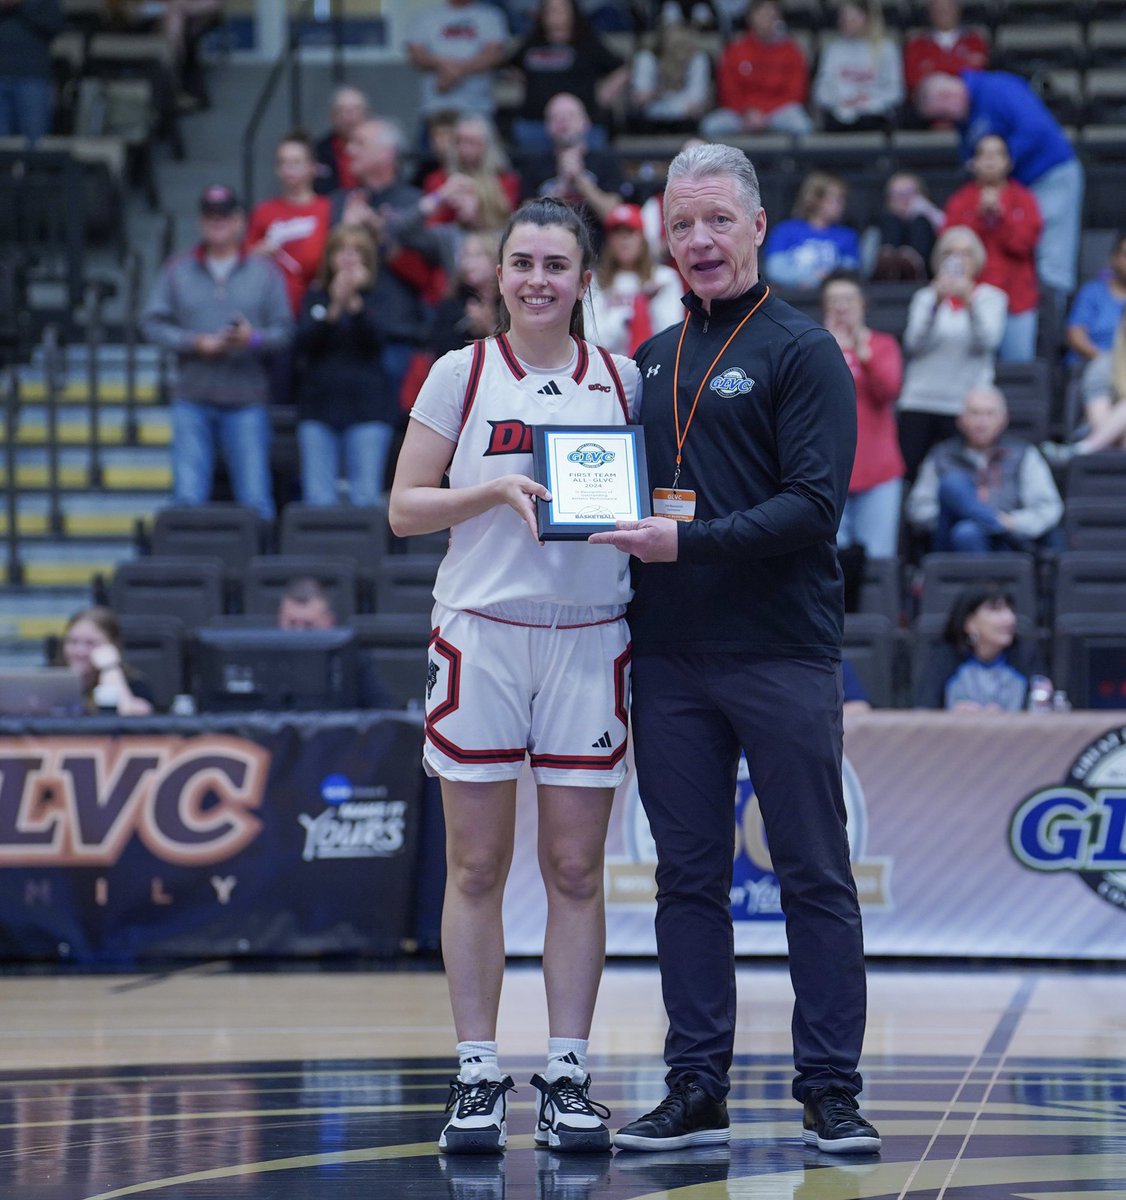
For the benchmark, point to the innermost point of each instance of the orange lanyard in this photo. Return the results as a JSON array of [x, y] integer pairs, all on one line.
[[680, 437]]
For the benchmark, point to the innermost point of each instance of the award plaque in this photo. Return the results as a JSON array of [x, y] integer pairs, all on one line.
[[596, 476]]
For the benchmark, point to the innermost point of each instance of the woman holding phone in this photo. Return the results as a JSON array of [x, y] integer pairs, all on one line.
[[954, 326], [529, 656]]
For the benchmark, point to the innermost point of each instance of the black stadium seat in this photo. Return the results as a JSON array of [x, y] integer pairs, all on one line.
[[870, 646], [1090, 582], [267, 576], [188, 588], [1095, 523], [154, 646], [945, 575]]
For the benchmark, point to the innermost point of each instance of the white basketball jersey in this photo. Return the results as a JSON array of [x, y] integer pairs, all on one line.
[[486, 400]]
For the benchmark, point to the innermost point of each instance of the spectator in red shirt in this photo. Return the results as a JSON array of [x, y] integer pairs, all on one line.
[[945, 48], [291, 228], [871, 512], [762, 81], [1006, 216], [476, 188]]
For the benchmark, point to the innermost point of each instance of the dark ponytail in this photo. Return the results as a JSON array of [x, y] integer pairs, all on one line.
[[546, 211]]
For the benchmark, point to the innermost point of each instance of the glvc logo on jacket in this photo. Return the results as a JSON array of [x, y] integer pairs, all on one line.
[[733, 382], [1079, 825]]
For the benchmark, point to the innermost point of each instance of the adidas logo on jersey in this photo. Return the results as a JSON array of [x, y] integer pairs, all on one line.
[[551, 388], [604, 742]]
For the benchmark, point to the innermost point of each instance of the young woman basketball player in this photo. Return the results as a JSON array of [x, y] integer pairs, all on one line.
[[529, 655]]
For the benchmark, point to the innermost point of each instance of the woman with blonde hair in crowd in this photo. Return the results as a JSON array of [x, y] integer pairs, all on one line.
[[671, 84], [631, 296], [91, 647], [476, 188], [954, 326], [859, 80]]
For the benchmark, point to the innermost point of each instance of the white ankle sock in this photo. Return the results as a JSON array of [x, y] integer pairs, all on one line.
[[566, 1056], [478, 1060]]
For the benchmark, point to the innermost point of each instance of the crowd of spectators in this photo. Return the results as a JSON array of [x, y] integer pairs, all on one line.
[[377, 252]]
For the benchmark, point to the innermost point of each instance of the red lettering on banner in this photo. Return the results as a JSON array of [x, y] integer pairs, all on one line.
[[509, 437], [77, 801]]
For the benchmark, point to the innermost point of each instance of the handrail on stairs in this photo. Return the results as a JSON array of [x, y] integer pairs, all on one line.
[[14, 570], [289, 59]]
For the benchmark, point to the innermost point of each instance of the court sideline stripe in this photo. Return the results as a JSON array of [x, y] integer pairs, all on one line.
[[997, 1045]]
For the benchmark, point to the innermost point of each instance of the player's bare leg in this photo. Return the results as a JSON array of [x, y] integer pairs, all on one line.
[[480, 826], [572, 838]]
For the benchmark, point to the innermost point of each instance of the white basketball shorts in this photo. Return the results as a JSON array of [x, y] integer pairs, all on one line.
[[528, 678]]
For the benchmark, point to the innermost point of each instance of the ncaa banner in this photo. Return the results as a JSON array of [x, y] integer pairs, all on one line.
[[997, 835], [208, 837]]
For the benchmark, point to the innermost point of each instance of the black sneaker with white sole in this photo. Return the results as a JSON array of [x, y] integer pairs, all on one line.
[[832, 1122], [687, 1116], [478, 1123], [569, 1120]]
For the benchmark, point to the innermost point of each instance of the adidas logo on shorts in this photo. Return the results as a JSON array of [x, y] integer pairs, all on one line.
[[604, 742]]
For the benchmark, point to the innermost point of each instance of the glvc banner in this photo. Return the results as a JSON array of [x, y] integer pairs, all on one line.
[[209, 837], [996, 835]]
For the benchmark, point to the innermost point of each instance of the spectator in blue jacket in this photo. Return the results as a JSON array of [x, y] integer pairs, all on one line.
[[800, 252], [1099, 307], [222, 311], [995, 102], [981, 663], [26, 30]]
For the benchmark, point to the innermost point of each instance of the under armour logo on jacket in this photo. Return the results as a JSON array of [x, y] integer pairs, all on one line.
[[652, 371]]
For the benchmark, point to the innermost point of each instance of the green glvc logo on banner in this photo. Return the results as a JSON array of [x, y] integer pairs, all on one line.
[[1079, 825]]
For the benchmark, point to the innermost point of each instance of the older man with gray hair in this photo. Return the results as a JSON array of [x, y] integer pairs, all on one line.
[[984, 490], [749, 412], [388, 209]]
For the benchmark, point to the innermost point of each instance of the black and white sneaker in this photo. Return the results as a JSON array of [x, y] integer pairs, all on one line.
[[478, 1122], [569, 1120], [832, 1122], [686, 1117]]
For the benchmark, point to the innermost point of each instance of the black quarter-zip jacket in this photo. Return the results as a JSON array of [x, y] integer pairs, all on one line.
[[769, 455]]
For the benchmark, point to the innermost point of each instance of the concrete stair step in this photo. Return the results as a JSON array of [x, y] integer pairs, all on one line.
[[84, 514], [21, 656], [134, 468], [60, 563], [30, 614], [108, 354], [154, 426], [125, 477], [146, 392]]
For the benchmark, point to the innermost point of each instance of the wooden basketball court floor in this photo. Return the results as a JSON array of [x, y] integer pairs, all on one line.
[[214, 1081]]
